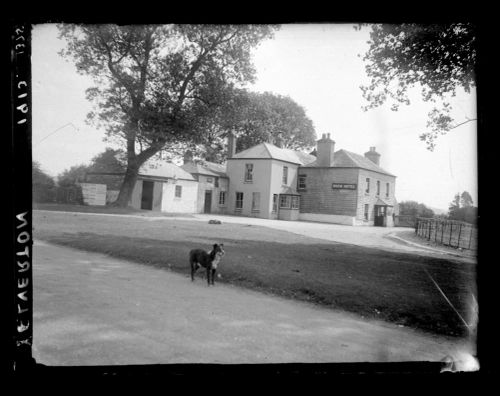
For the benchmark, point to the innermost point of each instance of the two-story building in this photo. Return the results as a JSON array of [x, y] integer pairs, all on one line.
[[346, 188], [263, 181]]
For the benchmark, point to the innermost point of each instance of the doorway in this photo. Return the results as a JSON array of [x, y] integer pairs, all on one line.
[[380, 212], [147, 195], [208, 201]]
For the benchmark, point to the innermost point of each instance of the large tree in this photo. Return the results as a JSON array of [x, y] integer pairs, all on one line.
[[438, 58], [154, 85], [255, 118]]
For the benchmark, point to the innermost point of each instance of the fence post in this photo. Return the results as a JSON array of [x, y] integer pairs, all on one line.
[[416, 226], [470, 235], [451, 233], [436, 231], [459, 234], [430, 230]]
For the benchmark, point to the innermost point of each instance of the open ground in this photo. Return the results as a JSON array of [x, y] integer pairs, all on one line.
[[396, 286]]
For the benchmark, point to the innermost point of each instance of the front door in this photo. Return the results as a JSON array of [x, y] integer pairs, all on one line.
[[208, 201], [147, 195], [379, 215]]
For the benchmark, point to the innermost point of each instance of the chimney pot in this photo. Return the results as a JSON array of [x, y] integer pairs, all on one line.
[[328, 135]]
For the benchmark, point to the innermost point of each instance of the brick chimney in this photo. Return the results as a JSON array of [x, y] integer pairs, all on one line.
[[231, 145], [373, 156], [326, 148], [188, 157]]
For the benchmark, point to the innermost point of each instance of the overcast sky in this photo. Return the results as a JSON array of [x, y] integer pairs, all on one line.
[[316, 65]]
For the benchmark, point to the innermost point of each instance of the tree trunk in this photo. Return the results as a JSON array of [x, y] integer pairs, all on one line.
[[127, 187], [131, 174]]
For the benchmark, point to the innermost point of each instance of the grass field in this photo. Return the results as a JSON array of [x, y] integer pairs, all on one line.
[[370, 282]]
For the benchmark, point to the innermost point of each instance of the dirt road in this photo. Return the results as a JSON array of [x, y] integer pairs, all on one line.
[[91, 309]]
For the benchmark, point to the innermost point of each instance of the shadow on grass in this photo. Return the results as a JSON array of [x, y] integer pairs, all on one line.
[[370, 282]]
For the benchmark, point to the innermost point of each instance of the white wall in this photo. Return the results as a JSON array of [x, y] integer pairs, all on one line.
[[186, 203]]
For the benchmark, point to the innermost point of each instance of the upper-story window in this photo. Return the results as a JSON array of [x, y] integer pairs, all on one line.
[[178, 191], [285, 175], [248, 172], [378, 187], [216, 182], [387, 189], [301, 182], [367, 185]]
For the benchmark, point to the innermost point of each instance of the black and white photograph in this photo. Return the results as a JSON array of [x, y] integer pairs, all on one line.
[[254, 194]]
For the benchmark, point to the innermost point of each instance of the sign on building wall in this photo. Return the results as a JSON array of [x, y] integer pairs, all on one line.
[[94, 194], [343, 186]]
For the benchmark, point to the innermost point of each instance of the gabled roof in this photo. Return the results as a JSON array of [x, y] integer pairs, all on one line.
[[347, 159], [270, 151], [205, 168], [164, 169]]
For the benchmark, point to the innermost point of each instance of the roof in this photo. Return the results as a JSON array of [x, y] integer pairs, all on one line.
[[164, 169], [270, 151], [205, 168], [347, 159], [382, 203]]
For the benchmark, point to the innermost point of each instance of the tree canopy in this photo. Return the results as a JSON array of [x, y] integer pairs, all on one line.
[[438, 58], [156, 85], [39, 177], [256, 118], [462, 209], [414, 208]]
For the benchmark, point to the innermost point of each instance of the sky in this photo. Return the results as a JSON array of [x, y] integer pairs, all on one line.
[[320, 67]]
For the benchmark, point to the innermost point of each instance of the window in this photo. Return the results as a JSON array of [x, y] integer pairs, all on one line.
[[367, 185], [239, 201], [178, 191], [285, 175], [216, 184], [248, 172], [302, 182], [285, 201], [367, 208], [378, 188], [295, 202], [222, 198], [387, 188], [255, 201], [275, 202]]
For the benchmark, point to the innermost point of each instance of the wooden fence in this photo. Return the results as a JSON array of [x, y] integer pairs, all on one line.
[[447, 232]]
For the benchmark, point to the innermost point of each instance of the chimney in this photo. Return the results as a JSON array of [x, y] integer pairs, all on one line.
[[231, 145], [373, 156], [188, 156], [326, 148]]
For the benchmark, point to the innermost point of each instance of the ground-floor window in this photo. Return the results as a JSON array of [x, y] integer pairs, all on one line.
[[295, 202], [367, 208], [255, 201], [239, 201], [222, 198], [275, 202], [178, 191], [285, 201]]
